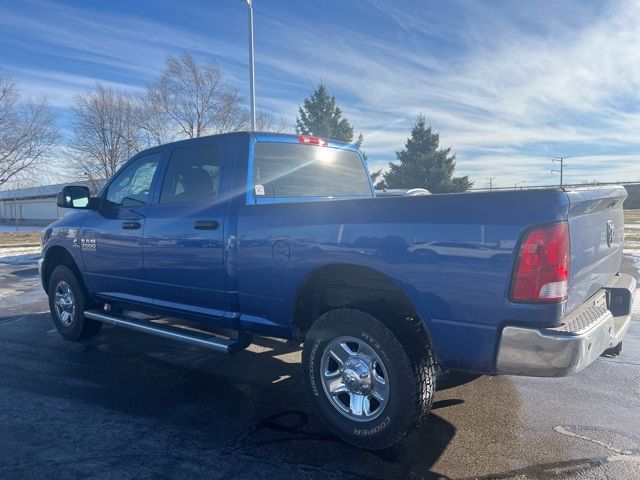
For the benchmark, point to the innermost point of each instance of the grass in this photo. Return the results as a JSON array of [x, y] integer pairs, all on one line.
[[632, 235], [632, 216], [18, 238]]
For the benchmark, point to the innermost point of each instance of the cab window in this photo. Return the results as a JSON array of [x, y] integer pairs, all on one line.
[[132, 185]]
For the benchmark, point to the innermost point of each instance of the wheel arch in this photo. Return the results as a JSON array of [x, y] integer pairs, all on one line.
[[354, 286], [56, 256]]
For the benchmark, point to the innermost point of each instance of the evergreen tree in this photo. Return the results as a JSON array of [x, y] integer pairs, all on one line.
[[320, 115], [423, 164]]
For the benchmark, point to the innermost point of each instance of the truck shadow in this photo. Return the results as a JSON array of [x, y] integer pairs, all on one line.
[[250, 404]]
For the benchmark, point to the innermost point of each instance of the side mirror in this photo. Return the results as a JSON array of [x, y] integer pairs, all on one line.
[[75, 196]]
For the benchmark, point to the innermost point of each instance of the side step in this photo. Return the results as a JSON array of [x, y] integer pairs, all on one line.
[[211, 342]]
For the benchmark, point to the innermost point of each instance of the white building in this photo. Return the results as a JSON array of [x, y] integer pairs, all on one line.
[[31, 206]]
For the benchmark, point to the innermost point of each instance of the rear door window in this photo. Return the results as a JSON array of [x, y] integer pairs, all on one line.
[[192, 175]]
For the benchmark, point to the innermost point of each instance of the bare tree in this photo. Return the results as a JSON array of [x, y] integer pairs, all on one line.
[[155, 125], [190, 99], [267, 122], [104, 135], [27, 131]]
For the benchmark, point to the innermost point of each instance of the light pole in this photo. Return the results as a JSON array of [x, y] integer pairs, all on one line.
[[491, 179], [252, 83], [4, 209]]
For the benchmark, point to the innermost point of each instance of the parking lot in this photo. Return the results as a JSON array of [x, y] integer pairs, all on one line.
[[128, 405]]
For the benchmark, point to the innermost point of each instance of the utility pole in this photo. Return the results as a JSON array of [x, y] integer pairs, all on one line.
[[15, 203], [490, 182], [15, 206], [252, 83], [561, 171], [4, 209]]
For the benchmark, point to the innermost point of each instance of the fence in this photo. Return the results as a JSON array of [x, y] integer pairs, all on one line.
[[633, 189]]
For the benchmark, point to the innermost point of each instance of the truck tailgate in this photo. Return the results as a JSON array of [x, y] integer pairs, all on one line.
[[596, 232]]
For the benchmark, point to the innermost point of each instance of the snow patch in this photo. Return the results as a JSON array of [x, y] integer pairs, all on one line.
[[21, 228], [19, 255], [634, 255]]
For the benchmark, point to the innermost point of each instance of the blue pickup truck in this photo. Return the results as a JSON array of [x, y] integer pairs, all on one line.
[[230, 236]]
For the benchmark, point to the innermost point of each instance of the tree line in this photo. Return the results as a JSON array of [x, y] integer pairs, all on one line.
[[188, 99]]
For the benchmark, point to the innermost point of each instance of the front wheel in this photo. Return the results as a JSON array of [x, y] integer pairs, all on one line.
[[67, 302], [362, 381]]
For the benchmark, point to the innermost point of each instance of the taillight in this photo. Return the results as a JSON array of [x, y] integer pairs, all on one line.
[[311, 140], [542, 269]]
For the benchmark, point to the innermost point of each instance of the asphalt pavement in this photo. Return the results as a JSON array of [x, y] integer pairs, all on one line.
[[127, 405]]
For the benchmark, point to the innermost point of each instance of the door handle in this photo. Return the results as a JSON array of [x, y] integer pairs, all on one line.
[[131, 225], [206, 225]]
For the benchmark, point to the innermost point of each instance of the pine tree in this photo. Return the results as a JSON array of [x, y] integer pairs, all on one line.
[[423, 164], [320, 115]]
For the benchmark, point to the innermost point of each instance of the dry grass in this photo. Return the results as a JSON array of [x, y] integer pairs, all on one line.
[[19, 238], [632, 235], [632, 216]]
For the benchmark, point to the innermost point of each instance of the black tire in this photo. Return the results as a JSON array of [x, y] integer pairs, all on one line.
[[74, 326], [411, 379]]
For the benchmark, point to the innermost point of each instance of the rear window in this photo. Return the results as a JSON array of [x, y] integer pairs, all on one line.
[[287, 170]]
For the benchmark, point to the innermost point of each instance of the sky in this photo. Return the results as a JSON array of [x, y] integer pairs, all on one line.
[[507, 84]]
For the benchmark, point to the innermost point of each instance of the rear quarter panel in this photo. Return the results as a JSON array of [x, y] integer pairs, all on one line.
[[452, 255]]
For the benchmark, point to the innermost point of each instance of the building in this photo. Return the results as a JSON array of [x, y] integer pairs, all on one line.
[[32, 205]]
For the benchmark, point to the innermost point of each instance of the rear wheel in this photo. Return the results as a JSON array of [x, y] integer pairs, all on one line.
[[67, 302], [362, 381]]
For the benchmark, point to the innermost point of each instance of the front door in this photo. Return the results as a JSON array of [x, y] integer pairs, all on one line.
[[111, 237], [184, 237]]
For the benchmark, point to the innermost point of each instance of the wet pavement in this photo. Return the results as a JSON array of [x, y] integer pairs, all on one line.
[[126, 405]]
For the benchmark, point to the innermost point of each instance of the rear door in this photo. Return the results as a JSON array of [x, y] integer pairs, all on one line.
[[184, 232], [596, 232], [111, 236]]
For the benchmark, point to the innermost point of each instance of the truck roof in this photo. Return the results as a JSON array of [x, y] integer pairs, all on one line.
[[266, 137]]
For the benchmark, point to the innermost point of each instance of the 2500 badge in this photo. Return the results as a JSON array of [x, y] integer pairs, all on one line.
[[88, 244]]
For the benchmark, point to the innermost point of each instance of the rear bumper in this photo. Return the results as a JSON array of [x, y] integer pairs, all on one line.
[[598, 324]]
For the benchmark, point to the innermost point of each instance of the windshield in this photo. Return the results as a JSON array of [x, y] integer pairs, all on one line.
[[289, 170]]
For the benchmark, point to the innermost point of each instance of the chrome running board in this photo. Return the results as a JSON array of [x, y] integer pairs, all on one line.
[[211, 342]]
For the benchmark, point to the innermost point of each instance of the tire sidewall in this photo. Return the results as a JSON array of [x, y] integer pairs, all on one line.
[[396, 416], [75, 330]]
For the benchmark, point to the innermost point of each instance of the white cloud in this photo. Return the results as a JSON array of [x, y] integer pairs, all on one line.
[[61, 88], [552, 87]]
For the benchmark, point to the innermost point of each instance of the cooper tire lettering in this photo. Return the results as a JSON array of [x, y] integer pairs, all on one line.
[[312, 378], [373, 430]]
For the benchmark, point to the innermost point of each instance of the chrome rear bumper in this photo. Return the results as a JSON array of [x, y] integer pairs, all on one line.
[[598, 324]]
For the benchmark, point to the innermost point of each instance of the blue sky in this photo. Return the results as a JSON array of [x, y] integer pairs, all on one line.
[[507, 84]]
